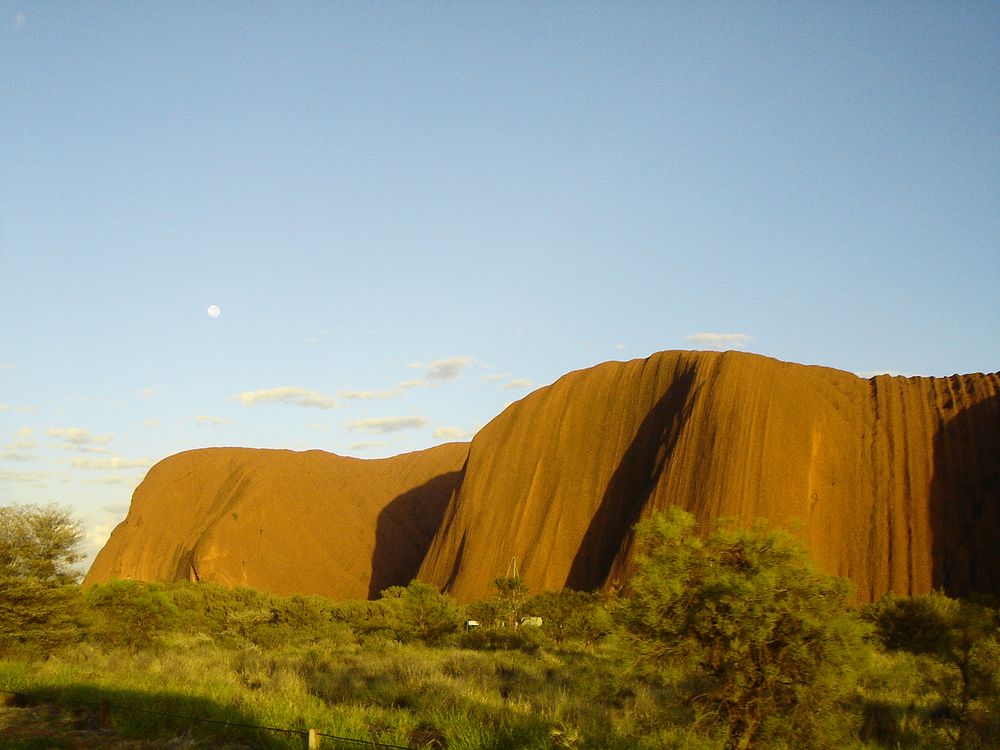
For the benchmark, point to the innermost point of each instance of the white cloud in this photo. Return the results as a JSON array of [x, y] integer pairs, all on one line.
[[452, 433], [151, 422], [416, 384], [17, 409], [94, 538], [133, 481], [288, 395], [367, 445], [517, 383], [20, 450], [720, 340], [496, 377], [619, 346], [30, 477], [450, 368], [77, 438], [7, 365], [354, 395], [12, 454], [149, 392], [25, 431], [81, 448], [19, 21], [205, 419], [114, 463], [383, 425]]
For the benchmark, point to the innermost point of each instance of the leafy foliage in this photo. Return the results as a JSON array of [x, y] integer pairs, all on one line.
[[770, 645], [962, 636], [130, 614], [38, 594], [421, 611], [40, 544]]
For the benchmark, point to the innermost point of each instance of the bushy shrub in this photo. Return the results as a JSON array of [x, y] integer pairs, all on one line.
[[130, 614], [769, 645], [420, 611], [571, 615], [962, 638]]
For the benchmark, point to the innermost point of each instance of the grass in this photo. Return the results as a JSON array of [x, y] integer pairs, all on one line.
[[407, 695], [162, 657]]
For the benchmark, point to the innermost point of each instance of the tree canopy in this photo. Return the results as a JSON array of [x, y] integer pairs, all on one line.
[[770, 641]]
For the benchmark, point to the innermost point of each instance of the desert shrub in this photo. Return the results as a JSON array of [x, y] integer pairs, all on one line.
[[130, 614], [768, 646], [420, 611], [571, 615], [961, 637], [528, 640]]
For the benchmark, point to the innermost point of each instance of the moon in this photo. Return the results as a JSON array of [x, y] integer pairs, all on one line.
[[214, 311]]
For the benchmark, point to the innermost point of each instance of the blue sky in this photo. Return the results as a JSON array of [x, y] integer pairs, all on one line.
[[412, 214]]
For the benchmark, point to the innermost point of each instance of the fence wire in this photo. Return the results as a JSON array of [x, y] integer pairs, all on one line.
[[30, 698]]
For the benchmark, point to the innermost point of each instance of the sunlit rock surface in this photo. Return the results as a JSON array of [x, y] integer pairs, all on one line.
[[893, 482]]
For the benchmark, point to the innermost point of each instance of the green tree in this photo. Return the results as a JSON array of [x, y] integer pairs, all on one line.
[[132, 614], [39, 546], [571, 615], [422, 611], [962, 636], [769, 644]]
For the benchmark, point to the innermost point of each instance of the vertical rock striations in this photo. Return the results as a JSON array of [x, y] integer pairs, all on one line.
[[894, 482]]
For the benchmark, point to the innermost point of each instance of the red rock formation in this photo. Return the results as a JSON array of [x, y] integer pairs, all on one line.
[[894, 482], [282, 521]]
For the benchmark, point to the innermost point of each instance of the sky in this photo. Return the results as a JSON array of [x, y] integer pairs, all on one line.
[[409, 215]]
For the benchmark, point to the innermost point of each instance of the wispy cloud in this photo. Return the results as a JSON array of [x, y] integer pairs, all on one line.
[[415, 384], [28, 477], [366, 445], [288, 395], [19, 21], [77, 438], [353, 395], [449, 368], [517, 383], [7, 365], [20, 450], [452, 433], [383, 425], [132, 481], [112, 463], [149, 392], [720, 340], [206, 419], [151, 422], [17, 409], [496, 377]]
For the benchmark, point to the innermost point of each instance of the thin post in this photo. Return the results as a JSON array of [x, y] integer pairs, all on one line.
[[313, 739]]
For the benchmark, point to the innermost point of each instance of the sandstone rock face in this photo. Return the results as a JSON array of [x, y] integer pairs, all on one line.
[[285, 522], [893, 482]]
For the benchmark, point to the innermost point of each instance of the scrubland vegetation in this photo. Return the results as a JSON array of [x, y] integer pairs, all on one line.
[[733, 641]]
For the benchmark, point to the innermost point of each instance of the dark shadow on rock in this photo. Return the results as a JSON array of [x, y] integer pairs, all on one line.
[[965, 502], [631, 485], [405, 529]]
